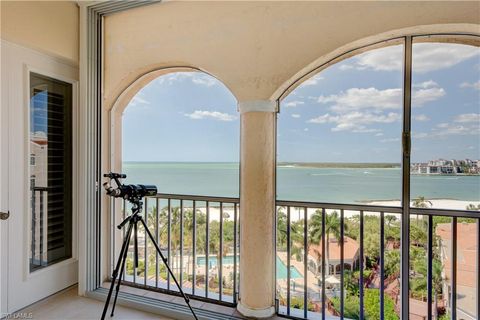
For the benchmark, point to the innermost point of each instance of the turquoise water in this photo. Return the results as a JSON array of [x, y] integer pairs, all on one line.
[[282, 271], [338, 185], [281, 267], [212, 260]]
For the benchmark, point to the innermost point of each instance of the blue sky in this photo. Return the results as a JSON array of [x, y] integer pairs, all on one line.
[[349, 112]]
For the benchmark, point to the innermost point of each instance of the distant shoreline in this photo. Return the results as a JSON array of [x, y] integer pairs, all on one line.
[[353, 165]]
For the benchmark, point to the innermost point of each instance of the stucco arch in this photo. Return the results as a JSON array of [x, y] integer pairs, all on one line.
[[371, 42], [138, 79]]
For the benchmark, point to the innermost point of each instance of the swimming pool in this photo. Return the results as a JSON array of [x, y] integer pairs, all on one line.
[[228, 260], [282, 271]]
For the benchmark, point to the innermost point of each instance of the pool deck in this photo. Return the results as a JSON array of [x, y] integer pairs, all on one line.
[[312, 282]]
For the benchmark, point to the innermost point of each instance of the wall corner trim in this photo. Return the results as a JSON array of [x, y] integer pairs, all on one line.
[[257, 106]]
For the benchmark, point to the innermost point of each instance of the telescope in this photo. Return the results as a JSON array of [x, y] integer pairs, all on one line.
[[127, 191]]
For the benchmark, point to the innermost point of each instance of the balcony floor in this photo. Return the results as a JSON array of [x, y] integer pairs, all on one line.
[[68, 305]]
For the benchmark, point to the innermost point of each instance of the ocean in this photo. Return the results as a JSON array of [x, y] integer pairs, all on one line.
[[336, 185]]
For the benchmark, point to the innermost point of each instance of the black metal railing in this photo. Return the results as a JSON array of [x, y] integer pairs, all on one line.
[[199, 236], [38, 255], [335, 260]]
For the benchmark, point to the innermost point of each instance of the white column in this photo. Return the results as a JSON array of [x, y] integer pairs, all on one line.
[[257, 208]]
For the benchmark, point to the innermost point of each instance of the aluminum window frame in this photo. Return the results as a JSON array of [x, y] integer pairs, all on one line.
[[92, 29]]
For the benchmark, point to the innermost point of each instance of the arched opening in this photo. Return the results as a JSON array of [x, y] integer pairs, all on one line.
[[344, 160], [180, 132]]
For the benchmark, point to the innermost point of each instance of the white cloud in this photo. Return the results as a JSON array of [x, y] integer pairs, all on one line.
[[453, 129], [312, 81], [197, 78], [205, 81], [426, 84], [345, 66], [293, 104], [138, 100], [377, 99], [356, 121], [433, 56], [419, 135], [426, 57], [214, 115], [421, 117], [474, 85], [384, 59], [379, 134], [363, 98], [465, 124], [467, 117], [295, 115], [390, 140], [422, 96]]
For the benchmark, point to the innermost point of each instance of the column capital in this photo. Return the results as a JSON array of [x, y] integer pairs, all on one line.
[[257, 106]]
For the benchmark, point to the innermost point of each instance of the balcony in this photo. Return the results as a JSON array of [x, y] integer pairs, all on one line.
[[332, 139], [363, 241]]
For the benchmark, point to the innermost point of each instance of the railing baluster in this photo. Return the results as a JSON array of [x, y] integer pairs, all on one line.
[[342, 262], [34, 225], [157, 212], [478, 268], [454, 269], [324, 296], [169, 239], [361, 267], [235, 253], [220, 263], [305, 263], [145, 257], [194, 245], [181, 243], [288, 261], [41, 227], [207, 247], [382, 265], [429, 267]]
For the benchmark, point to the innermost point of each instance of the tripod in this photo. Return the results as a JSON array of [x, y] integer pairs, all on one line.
[[132, 221]]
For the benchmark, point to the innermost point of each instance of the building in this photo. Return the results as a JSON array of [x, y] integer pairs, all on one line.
[[351, 256], [467, 259]]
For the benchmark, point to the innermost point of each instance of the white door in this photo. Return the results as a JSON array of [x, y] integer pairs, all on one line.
[[38, 240]]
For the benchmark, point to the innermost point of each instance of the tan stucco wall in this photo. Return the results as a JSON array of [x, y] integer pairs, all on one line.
[[48, 26], [256, 47]]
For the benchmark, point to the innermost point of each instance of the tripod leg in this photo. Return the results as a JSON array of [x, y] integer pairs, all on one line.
[[187, 300], [122, 271], [115, 272]]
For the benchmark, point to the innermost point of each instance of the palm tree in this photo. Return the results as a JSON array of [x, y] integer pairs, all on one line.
[[421, 202], [296, 234], [473, 207], [332, 227]]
